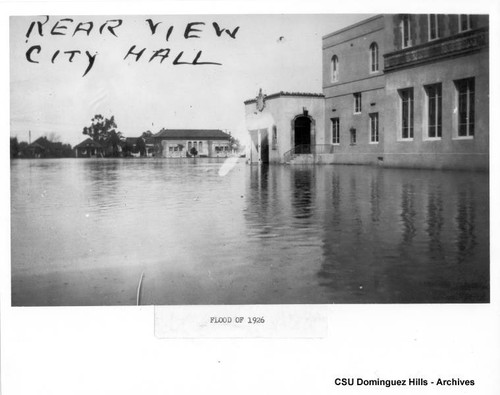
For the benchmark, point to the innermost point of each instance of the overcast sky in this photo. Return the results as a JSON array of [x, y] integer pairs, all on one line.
[[278, 52]]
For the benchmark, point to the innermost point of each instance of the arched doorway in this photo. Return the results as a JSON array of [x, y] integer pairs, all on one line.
[[302, 134]]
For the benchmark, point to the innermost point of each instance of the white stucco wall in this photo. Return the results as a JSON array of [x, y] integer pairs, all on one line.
[[208, 148], [279, 112]]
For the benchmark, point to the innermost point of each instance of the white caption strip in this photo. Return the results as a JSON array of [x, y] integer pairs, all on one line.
[[260, 321]]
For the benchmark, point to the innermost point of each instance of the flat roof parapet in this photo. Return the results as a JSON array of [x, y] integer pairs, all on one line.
[[286, 94], [360, 23], [188, 134]]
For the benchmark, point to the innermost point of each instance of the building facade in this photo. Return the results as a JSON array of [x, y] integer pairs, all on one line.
[[409, 90], [182, 143], [89, 149], [400, 90], [354, 89], [437, 81]]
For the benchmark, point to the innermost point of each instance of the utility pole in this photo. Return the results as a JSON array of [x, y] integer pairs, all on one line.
[[29, 139]]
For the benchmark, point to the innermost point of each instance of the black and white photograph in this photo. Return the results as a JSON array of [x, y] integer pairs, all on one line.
[[248, 197], [249, 159]]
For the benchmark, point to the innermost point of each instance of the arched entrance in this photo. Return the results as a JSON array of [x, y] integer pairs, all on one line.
[[302, 134]]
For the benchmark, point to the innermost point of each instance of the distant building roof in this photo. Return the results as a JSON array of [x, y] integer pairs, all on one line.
[[133, 140], [88, 143], [41, 142], [192, 134], [36, 145]]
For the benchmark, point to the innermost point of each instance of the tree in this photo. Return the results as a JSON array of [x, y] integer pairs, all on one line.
[[147, 134], [141, 146], [54, 137], [114, 140], [14, 147], [22, 148], [101, 128], [103, 131], [234, 143], [141, 142]]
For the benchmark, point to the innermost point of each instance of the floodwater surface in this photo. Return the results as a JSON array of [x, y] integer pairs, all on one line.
[[84, 232]]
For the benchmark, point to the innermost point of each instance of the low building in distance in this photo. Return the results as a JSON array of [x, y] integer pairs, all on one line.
[[89, 149], [181, 143], [42, 147]]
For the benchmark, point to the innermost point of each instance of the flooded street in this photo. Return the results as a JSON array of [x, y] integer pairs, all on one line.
[[84, 231]]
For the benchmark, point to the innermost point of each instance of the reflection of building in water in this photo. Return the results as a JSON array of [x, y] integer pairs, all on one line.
[[404, 238], [303, 192], [435, 222], [466, 237], [353, 234], [408, 212], [398, 90]]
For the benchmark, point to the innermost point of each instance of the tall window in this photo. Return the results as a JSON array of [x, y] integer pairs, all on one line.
[[373, 57], [405, 31], [433, 26], [464, 22], [434, 104], [357, 103], [353, 136], [335, 131], [465, 93], [334, 72], [406, 96], [374, 127]]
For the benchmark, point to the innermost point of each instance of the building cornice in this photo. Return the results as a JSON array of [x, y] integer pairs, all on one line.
[[350, 27], [463, 43], [350, 39]]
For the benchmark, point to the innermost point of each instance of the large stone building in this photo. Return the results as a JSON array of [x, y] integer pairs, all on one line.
[[398, 90], [437, 80]]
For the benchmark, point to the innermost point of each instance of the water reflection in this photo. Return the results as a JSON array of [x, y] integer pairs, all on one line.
[[302, 195], [408, 213], [465, 219], [103, 180], [355, 200], [375, 197], [369, 258], [435, 223], [261, 201], [84, 230]]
